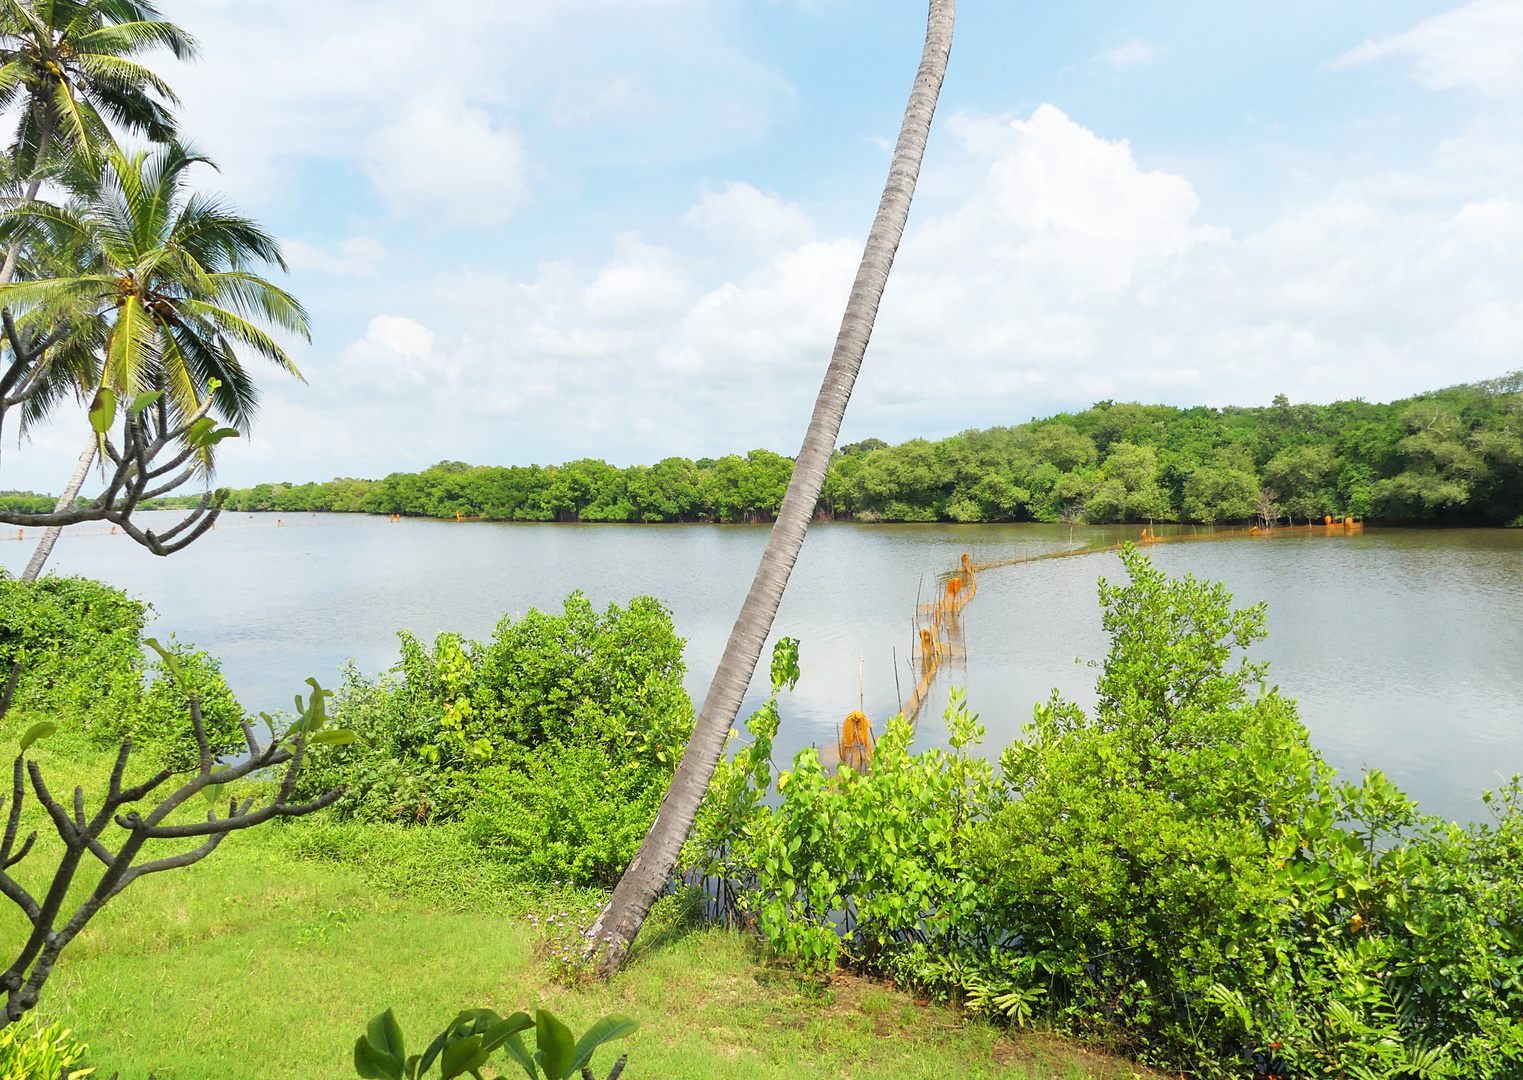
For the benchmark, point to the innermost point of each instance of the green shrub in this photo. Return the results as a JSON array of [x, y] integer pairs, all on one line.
[[565, 811], [79, 641], [552, 743], [81, 645], [160, 721], [40, 1053], [1177, 872], [469, 1040]]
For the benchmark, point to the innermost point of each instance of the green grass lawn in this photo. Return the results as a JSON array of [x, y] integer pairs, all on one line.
[[265, 961]]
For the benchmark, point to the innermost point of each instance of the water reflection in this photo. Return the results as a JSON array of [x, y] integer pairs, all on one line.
[[1401, 645]]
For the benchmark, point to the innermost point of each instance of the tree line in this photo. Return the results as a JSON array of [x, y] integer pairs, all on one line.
[[1448, 456]]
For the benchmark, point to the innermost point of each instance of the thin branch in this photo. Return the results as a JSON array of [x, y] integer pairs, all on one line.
[[26, 848], [199, 727], [226, 825]]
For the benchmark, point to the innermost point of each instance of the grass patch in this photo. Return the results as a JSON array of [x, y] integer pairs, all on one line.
[[264, 962]]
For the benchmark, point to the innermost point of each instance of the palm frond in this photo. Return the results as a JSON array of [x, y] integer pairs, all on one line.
[[129, 38], [222, 239], [208, 355], [130, 353], [231, 325], [252, 295]]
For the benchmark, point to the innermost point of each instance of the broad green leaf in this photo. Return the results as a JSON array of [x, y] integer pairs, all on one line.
[[171, 661], [198, 431], [435, 1048], [142, 401], [374, 1064], [212, 438], [466, 1023], [462, 1055], [605, 1030], [500, 1032], [386, 1034], [556, 1045], [411, 1072], [312, 713], [213, 792], [103, 410], [40, 730], [514, 1045], [335, 737]]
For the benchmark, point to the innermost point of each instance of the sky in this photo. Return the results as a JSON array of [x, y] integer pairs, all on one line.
[[626, 229]]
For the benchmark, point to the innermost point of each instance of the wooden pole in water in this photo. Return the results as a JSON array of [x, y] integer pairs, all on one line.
[[897, 693]]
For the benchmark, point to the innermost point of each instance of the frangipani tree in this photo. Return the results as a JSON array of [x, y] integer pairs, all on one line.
[[616, 927]]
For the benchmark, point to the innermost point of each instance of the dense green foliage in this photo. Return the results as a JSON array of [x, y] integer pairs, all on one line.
[[27, 502], [550, 745], [80, 643], [1451, 455], [41, 1053], [733, 488], [1178, 872]]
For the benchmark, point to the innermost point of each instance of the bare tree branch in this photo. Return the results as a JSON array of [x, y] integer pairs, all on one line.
[[35, 959], [135, 466]]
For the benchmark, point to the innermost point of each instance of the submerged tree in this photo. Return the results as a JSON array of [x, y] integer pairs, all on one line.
[[619, 923]]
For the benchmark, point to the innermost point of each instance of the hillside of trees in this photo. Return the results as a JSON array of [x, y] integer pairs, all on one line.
[[1449, 456]]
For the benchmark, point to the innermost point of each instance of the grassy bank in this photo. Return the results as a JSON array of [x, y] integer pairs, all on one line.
[[264, 961]]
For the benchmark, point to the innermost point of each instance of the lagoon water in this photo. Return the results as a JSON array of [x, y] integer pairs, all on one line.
[[1404, 647]]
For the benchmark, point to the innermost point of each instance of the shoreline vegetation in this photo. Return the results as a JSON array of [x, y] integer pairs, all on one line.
[[1174, 878], [1452, 456]]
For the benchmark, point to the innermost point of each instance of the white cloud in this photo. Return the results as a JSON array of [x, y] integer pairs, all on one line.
[[1070, 272], [431, 102], [406, 337], [395, 360], [1478, 47], [355, 257], [1128, 55], [449, 162], [743, 217], [1067, 273], [643, 284]]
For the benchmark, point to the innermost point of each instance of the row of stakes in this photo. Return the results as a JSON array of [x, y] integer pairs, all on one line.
[[938, 641], [939, 632]]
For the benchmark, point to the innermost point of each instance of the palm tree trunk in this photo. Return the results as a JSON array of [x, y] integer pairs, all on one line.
[[50, 537], [616, 927], [44, 143]]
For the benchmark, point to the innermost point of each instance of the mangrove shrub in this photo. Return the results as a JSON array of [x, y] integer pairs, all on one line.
[[550, 744], [1176, 871]]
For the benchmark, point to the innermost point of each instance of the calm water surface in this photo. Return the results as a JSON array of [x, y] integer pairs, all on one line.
[[1402, 646]]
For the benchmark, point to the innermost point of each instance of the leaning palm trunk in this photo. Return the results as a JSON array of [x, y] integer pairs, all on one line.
[[7, 271], [66, 500], [616, 927]]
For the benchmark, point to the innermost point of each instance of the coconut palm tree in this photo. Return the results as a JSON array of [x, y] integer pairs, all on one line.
[[69, 63], [168, 278], [619, 922]]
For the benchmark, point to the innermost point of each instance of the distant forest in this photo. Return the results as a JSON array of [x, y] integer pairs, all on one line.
[[1449, 456]]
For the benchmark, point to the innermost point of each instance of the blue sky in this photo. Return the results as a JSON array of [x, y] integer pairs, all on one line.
[[529, 232]]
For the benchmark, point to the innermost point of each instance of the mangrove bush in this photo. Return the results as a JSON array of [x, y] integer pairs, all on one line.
[[1177, 871], [550, 745]]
